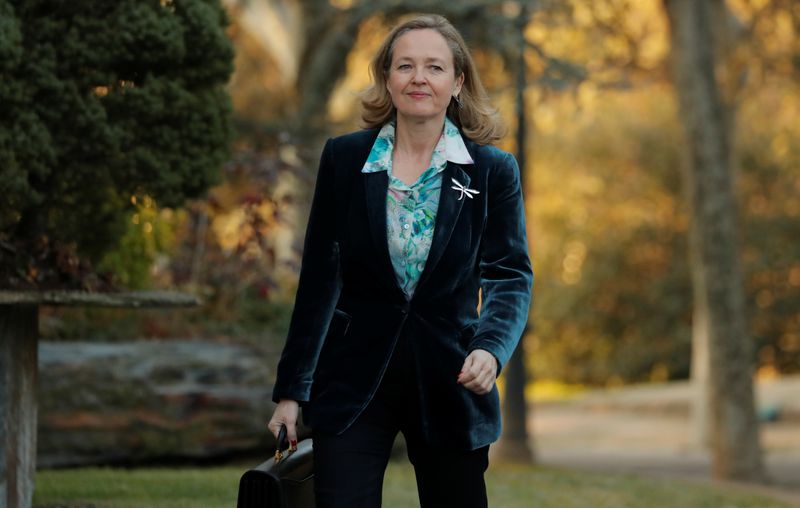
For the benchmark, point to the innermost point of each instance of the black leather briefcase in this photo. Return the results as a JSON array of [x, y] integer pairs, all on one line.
[[284, 481]]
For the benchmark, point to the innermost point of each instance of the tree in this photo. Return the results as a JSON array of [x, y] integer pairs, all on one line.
[[102, 103], [313, 53], [513, 444], [719, 301]]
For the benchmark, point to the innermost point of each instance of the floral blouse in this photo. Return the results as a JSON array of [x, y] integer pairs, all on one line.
[[411, 209]]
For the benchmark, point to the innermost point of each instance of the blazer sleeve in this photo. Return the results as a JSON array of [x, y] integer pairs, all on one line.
[[505, 267], [318, 290]]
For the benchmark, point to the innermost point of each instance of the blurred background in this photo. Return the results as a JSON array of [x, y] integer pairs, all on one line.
[[264, 82]]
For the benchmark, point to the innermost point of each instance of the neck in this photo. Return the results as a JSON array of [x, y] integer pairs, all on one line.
[[417, 137]]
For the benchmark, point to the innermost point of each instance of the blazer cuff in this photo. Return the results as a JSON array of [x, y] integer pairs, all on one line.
[[300, 392]]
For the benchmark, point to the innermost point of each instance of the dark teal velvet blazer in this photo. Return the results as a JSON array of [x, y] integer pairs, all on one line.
[[349, 309]]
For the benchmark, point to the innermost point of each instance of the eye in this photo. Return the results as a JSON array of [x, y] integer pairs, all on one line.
[[403, 67], [437, 68]]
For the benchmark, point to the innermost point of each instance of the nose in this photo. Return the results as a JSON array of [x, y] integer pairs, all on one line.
[[419, 75]]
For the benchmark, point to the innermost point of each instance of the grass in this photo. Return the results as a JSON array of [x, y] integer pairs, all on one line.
[[509, 487]]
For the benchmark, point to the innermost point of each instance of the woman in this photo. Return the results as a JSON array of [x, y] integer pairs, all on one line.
[[410, 218]]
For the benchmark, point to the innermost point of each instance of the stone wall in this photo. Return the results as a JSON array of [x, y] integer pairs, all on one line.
[[151, 400]]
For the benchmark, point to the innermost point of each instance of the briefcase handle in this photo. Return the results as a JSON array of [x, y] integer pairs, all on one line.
[[283, 444]]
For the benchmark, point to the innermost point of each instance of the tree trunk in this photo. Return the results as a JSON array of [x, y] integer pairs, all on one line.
[[701, 421], [513, 445], [716, 278], [19, 328], [727, 33]]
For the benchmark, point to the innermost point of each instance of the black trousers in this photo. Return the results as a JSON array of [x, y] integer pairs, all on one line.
[[349, 468]]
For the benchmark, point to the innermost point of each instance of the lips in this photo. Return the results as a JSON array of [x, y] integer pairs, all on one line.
[[418, 95]]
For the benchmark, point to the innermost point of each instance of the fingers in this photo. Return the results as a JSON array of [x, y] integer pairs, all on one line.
[[291, 433], [471, 369], [291, 429], [467, 374], [481, 384], [479, 372], [285, 414], [274, 426]]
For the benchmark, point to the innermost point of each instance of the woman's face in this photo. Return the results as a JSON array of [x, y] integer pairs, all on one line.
[[421, 76]]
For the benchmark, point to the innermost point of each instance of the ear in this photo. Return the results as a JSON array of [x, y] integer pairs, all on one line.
[[459, 84]]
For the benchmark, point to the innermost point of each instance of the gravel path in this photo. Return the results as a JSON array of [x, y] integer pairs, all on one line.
[[647, 430]]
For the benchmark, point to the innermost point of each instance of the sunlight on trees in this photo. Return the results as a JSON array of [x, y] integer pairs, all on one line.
[[608, 225]]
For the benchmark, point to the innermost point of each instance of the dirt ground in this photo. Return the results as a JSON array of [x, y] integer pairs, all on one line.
[[647, 430]]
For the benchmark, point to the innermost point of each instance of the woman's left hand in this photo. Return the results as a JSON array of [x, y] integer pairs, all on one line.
[[479, 372]]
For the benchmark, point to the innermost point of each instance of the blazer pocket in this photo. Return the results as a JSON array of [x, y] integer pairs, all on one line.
[[340, 322]]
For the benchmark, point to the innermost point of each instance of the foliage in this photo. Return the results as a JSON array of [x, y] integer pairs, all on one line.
[[769, 193], [508, 486], [109, 101], [607, 220], [149, 232], [613, 296], [239, 248]]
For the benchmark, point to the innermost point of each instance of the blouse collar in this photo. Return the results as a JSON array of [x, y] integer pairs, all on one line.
[[380, 157]]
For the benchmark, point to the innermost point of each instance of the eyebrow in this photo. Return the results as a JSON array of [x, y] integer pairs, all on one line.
[[427, 60]]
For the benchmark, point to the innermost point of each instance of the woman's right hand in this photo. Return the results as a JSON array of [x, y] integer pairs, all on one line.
[[285, 414]]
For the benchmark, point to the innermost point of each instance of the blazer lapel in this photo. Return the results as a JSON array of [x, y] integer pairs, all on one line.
[[446, 217], [376, 186]]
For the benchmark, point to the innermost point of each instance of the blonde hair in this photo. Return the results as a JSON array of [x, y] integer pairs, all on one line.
[[475, 115]]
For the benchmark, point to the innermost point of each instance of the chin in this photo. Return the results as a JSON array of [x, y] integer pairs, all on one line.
[[420, 114]]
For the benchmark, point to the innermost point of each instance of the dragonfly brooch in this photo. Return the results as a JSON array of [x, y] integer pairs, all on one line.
[[464, 190]]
